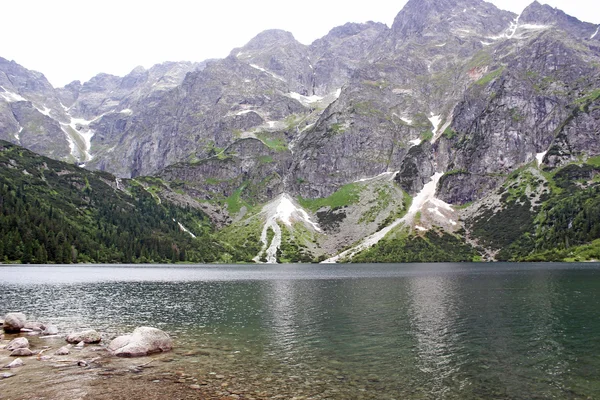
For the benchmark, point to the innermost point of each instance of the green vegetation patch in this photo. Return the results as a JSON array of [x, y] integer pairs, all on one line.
[[490, 77], [293, 248], [344, 196], [450, 133], [277, 144], [432, 246]]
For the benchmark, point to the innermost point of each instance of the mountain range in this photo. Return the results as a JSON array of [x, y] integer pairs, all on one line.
[[462, 132]]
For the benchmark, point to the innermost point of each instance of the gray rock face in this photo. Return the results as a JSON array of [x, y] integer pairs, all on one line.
[[88, 336], [427, 18], [417, 169], [13, 322], [18, 343], [143, 341], [543, 14], [507, 122]]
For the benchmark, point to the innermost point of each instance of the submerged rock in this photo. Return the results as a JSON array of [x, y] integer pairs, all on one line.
[[63, 351], [18, 343], [50, 330], [34, 326], [22, 352], [13, 322], [143, 341], [89, 336], [15, 364]]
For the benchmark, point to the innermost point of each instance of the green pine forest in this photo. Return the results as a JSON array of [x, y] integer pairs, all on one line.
[[53, 212]]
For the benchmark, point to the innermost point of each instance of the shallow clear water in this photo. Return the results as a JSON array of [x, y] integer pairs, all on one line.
[[358, 331]]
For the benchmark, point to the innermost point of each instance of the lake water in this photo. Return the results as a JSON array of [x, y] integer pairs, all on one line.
[[454, 331]]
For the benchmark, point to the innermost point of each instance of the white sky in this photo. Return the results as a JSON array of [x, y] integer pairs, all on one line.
[[76, 39]]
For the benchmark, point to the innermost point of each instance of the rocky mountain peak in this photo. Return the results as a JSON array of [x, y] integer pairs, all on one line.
[[544, 15], [352, 28], [434, 17], [270, 38]]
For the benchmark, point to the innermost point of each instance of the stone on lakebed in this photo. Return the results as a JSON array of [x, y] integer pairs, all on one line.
[[22, 352], [143, 341], [89, 336], [18, 343]]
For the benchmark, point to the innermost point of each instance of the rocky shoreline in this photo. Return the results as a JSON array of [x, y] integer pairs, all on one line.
[[36, 362]]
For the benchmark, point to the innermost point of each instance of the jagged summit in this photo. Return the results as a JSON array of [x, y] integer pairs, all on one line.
[[353, 28], [538, 14], [269, 38], [435, 17]]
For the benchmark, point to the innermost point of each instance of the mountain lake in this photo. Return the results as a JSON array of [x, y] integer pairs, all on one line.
[[380, 331]]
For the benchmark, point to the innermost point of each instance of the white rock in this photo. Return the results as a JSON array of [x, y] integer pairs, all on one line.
[[89, 336], [15, 364], [22, 352], [63, 351], [18, 343], [50, 330], [13, 322], [143, 341]]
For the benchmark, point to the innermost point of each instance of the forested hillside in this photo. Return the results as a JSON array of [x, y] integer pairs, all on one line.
[[54, 212]]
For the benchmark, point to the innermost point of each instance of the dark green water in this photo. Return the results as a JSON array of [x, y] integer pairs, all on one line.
[[456, 331]]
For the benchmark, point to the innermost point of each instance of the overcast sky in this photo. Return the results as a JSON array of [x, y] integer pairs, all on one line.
[[76, 39]]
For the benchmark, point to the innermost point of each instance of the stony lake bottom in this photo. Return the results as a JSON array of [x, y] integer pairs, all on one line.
[[380, 331]]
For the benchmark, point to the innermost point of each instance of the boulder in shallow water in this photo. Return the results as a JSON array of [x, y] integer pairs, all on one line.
[[143, 341], [13, 322], [22, 352], [18, 343], [89, 336], [50, 330], [34, 326], [15, 364], [63, 351]]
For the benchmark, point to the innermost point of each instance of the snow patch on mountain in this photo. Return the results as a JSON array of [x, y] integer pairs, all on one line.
[[595, 33], [305, 100], [282, 209], [10, 96], [389, 175], [437, 134], [513, 27], [184, 229], [435, 121], [45, 111], [268, 72], [534, 26], [18, 134], [81, 144], [540, 157], [415, 142], [427, 194]]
